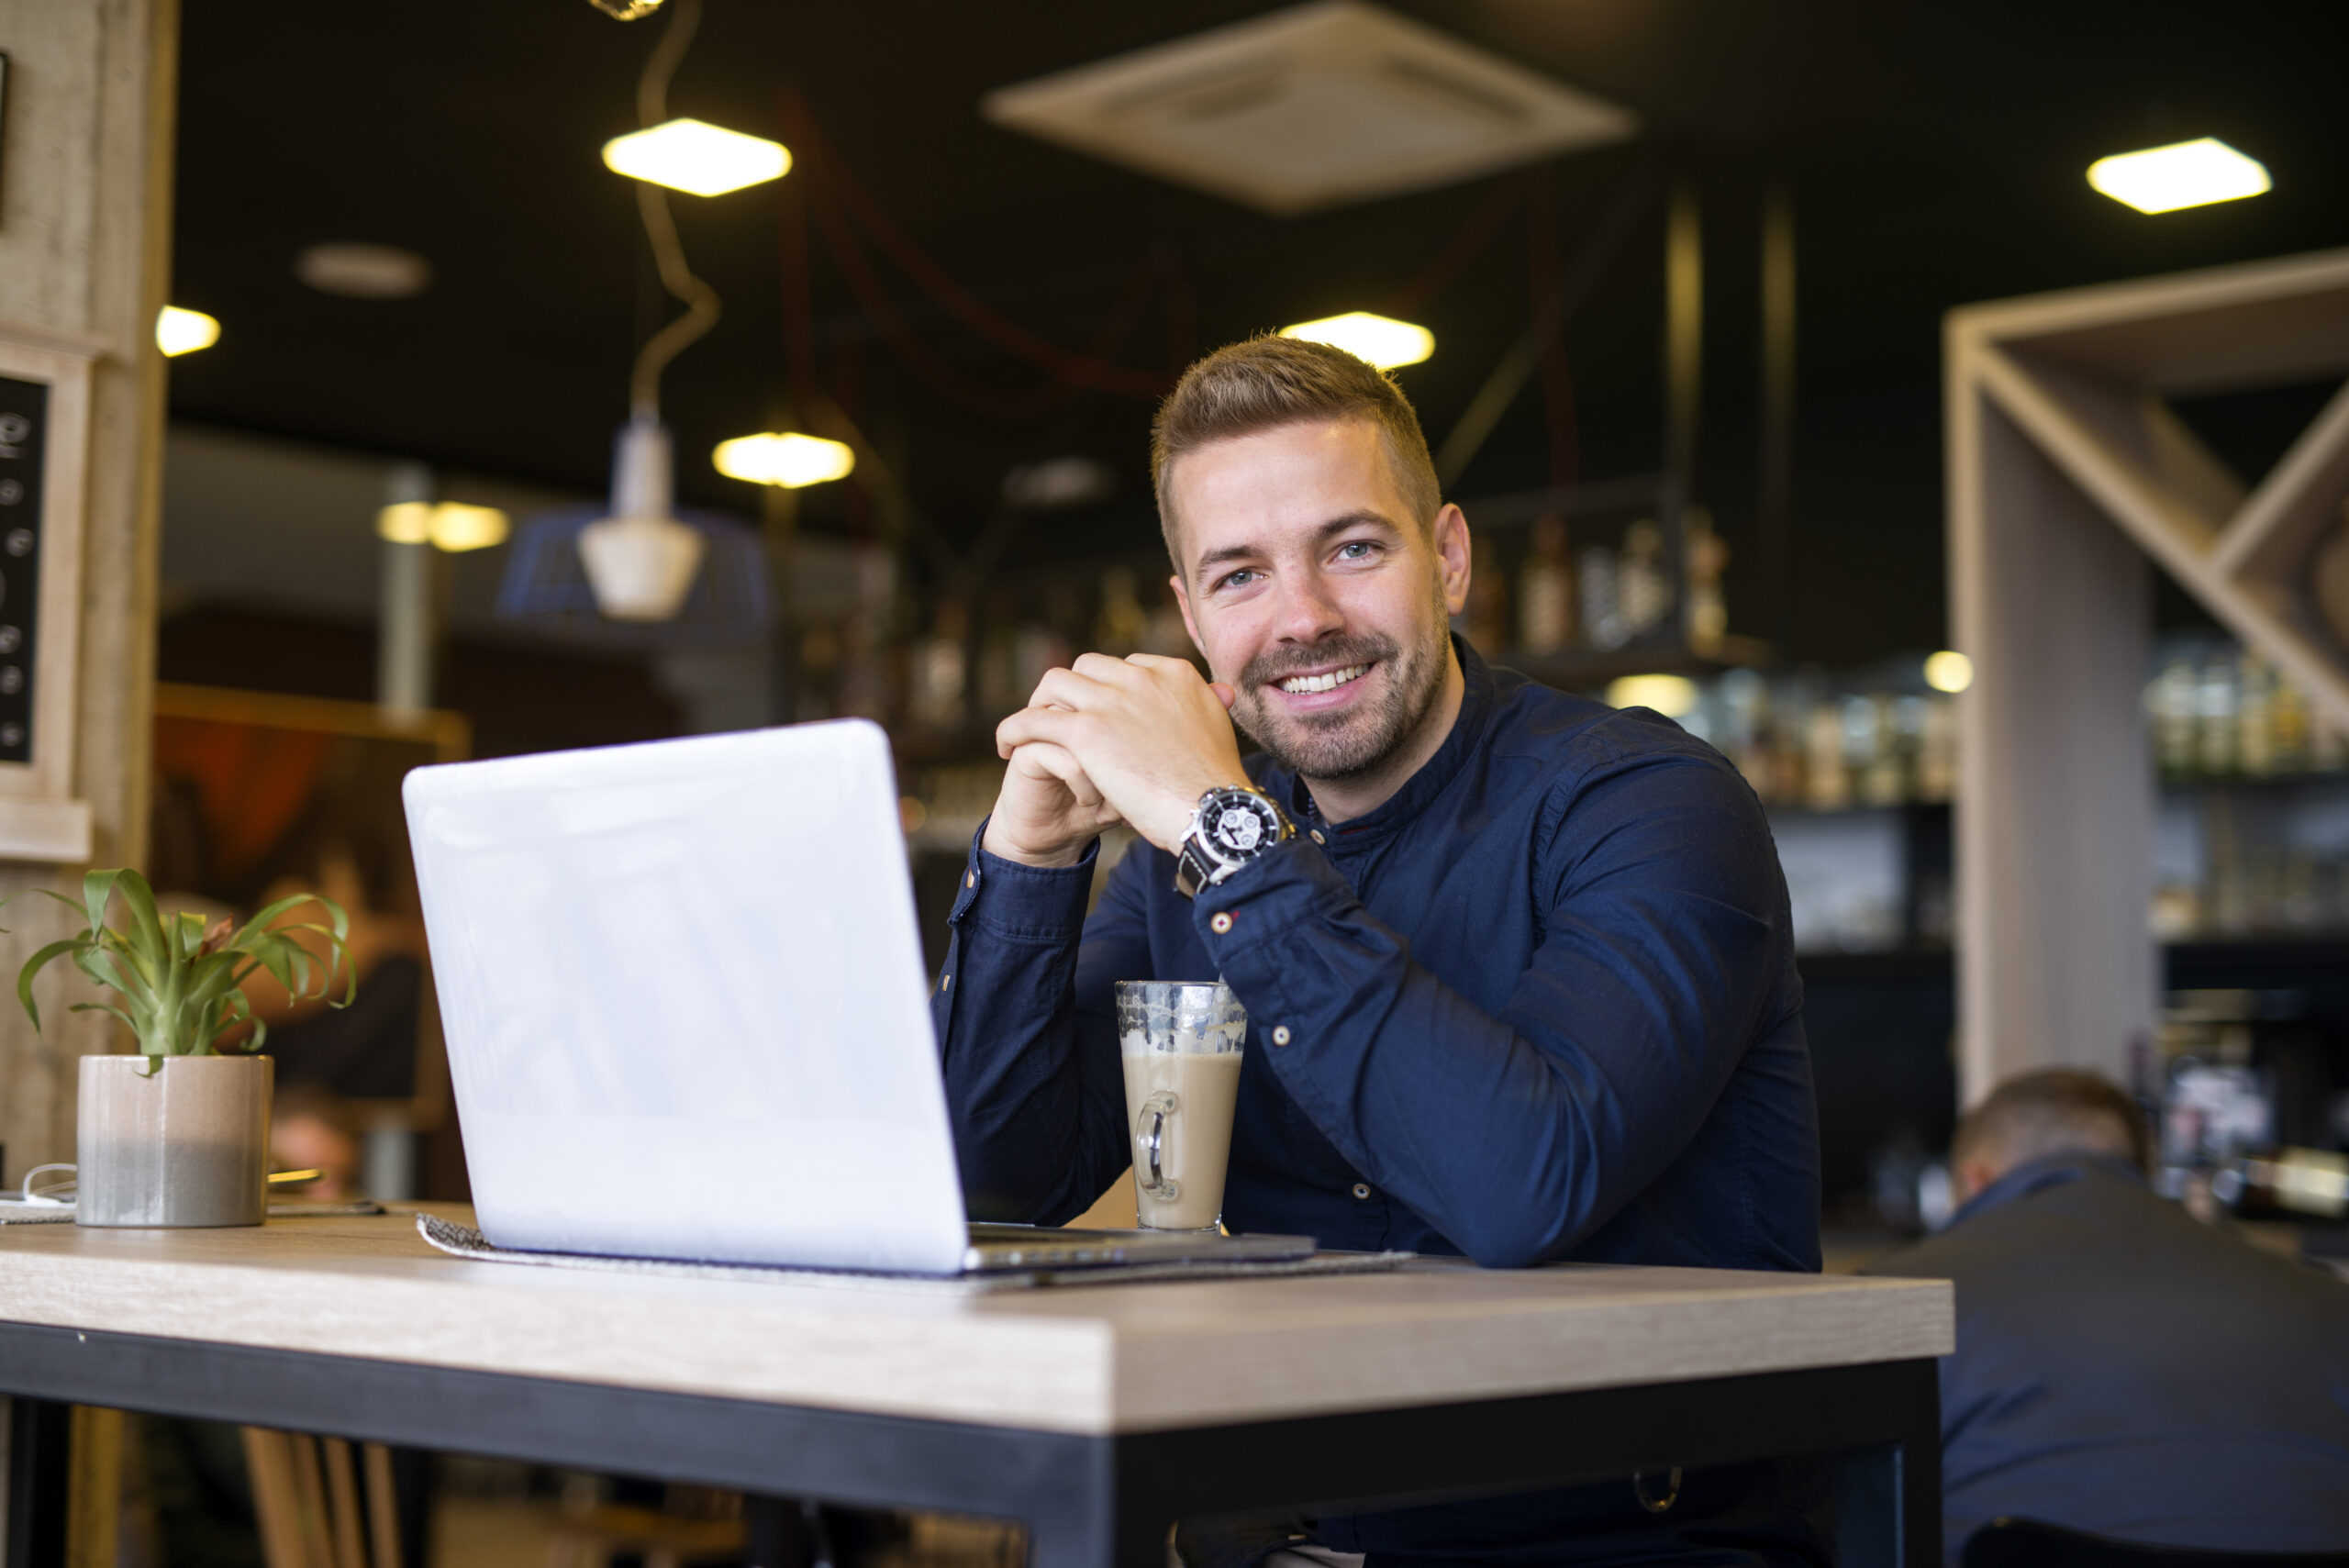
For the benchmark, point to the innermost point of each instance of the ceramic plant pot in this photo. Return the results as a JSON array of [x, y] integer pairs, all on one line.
[[187, 1147]]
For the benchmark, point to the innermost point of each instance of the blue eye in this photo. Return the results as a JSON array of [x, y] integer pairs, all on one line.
[[1356, 549], [1237, 579]]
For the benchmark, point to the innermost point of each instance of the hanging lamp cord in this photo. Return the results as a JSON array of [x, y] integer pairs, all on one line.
[[653, 205]]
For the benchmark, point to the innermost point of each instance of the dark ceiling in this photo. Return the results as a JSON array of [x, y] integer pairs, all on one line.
[[1934, 154]]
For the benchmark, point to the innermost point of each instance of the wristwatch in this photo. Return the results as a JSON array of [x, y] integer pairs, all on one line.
[[1232, 826]]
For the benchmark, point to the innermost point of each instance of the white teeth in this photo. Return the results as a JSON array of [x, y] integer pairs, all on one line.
[[1300, 685]]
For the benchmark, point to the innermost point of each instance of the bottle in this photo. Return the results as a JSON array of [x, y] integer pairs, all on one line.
[[2256, 714], [1937, 749], [2176, 703], [1827, 781], [2290, 711], [2327, 752], [2216, 704], [1642, 592], [1602, 615], [1745, 721], [1545, 609], [941, 673], [1884, 778], [1706, 558]]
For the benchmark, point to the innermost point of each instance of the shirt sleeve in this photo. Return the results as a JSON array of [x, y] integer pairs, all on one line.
[[1035, 1090], [1517, 1134]]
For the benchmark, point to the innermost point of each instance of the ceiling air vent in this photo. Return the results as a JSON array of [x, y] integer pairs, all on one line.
[[1310, 107]]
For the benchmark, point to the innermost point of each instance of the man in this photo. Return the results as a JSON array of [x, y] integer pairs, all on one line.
[[2123, 1368], [1517, 966]]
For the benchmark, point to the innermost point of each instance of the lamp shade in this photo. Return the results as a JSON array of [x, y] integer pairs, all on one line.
[[639, 568], [635, 573], [548, 591], [641, 561]]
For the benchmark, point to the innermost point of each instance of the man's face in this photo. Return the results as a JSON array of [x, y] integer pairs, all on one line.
[[1314, 592]]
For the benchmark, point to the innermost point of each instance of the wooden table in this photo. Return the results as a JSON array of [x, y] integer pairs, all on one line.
[[1096, 1416]]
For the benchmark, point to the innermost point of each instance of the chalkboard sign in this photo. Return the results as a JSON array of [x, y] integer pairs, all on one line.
[[24, 440]]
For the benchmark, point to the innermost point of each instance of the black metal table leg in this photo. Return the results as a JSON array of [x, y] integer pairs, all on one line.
[[1887, 1502], [40, 1473]]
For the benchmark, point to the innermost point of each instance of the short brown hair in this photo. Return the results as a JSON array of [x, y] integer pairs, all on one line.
[[2056, 1110], [1269, 381]]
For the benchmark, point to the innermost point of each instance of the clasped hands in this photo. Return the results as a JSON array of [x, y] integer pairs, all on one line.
[[1137, 739]]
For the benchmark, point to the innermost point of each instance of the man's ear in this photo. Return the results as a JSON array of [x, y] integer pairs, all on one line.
[[1453, 556], [1969, 1177], [1183, 602]]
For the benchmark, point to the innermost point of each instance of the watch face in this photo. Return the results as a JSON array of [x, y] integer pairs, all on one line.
[[1238, 825], [1239, 829]]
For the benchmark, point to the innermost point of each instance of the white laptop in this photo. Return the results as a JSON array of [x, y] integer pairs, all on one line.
[[686, 1014]]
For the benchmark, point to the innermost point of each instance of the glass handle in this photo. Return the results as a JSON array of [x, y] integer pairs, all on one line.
[[1150, 1144]]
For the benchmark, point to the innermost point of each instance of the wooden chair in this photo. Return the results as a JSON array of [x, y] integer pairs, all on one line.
[[307, 1497]]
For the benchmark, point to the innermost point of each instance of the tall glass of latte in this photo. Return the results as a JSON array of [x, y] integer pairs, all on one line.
[[1181, 1041]]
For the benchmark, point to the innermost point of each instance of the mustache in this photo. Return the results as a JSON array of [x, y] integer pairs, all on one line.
[[1278, 664]]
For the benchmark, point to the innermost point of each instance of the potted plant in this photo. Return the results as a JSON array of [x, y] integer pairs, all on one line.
[[178, 1135]]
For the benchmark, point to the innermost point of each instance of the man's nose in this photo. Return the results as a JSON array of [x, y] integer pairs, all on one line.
[[1308, 613]]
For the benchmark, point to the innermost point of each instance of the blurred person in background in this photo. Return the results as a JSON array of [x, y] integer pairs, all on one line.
[[2123, 1368], [309, 1130]]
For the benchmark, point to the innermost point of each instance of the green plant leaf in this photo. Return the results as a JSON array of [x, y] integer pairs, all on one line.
[[146, 931], [178, 995], [106, 1008], [33, 966]]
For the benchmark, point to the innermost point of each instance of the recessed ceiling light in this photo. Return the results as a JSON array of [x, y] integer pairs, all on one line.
[[1674, 696], [1384, 342], [789, 459], [2183, 174], [702, 160], [181, 331], [447, 525], [1948, 671], [358, 271]]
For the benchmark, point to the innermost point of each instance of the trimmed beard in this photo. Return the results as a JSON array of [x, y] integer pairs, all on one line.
[[1346, 745]]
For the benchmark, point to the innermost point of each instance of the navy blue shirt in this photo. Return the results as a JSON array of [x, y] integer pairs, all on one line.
[[1541, 1004], [2125, 1369]]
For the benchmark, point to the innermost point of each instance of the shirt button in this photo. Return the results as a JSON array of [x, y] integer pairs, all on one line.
[[970, 879], [944, 981], [1362, 1189], [1221, 923], [1317, 837], [1280, 1034]]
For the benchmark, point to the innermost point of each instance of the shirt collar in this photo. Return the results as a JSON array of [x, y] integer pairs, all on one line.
[[1422, 787], [2038, 1175]]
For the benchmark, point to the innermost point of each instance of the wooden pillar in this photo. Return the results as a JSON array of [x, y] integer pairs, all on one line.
[[2055, 811], [86, 183]]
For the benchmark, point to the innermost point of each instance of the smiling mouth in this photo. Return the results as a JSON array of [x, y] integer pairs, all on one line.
[[1300, 686]]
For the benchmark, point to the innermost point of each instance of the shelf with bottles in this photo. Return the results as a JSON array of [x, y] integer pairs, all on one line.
[[1813, 743], [940, 669], [1578, 586], [2252, 832], [2219, 713]]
